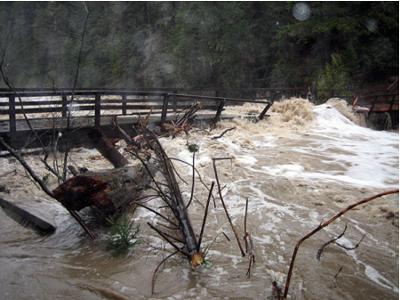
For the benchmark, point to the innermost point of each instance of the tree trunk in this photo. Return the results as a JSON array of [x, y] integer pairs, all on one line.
[[107, 149], [109, 190]]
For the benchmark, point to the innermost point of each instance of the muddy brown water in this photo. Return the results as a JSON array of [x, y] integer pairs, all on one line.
[[295, 174]]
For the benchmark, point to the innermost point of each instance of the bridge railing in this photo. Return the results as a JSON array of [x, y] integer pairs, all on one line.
[[50, 103]]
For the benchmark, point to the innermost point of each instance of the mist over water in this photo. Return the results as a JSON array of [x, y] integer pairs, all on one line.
[[296, 172]]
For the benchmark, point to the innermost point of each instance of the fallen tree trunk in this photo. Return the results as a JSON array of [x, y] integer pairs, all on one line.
[[107, 149], [108, 190]]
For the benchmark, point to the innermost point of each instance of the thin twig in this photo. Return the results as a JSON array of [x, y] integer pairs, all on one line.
[[153, 279], [168, 240], [198, 174], [156, 212], [27, 168], [42, 184], [321, 249], [76, 77], [337, 273], [193, 181], [227, 237], [245, 215], [205, 217], [354, 247], [321, 226], [224, 206]]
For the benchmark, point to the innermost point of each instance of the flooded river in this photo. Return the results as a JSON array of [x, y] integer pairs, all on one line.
[[297, 168]]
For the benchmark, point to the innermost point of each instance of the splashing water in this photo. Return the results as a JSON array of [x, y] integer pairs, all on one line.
[[297, 167]]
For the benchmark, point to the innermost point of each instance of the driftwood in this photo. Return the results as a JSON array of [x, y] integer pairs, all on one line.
[[107, 149], [25, 218], [223, 133], [108, 190], [173, 199]]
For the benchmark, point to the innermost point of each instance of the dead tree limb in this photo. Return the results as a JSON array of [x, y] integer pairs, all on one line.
[[250, 252], [321, 249], [337, 273], [193, 180], [106, 148], [323, 225], [224, 206], [42, 185], [156, 213], [355, 246], [198, 175], [153, 279], [76, 77], [162, 234], [205, 217], [32, 173], [223, 133]]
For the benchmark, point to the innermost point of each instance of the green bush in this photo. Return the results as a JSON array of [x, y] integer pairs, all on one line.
[[334, 80], [123, 235]]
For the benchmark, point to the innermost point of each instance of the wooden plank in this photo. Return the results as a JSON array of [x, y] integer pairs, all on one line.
[[103, 108], [145, 100], [82, 93], [23, 216], [12, 118], [97, 110]]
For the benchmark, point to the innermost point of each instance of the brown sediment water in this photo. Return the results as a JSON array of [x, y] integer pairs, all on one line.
[[297, 167]]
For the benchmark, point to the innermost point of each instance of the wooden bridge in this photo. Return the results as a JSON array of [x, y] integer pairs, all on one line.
[[49, 109]]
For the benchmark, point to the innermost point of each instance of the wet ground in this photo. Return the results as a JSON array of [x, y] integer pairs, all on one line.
[[297, 168]]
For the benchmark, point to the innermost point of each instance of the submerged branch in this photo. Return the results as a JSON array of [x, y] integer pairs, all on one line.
[[321, 249], [323, 225], [223, 133]]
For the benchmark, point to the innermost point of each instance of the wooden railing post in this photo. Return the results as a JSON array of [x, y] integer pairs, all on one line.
[[64, 105], [174, 102], [371, 110], [12, 117], [124, 104], [164, 109], [392, 102], [262, 114], [219, 111], [97, 110]]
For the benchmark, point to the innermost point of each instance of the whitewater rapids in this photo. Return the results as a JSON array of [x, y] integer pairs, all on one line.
[[297, 168]]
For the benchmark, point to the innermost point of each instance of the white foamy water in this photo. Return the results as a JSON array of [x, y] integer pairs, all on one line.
[[365, 157], [297, 168]]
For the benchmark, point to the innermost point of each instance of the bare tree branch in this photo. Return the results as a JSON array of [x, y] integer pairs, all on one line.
[[324, 224]]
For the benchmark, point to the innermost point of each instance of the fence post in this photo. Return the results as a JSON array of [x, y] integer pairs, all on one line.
[[97, 110], [262, 114], [164, 109], [371, 110], [219, 111], [11, 107], [174, 103], [64, 105], [124, 104], [392, 102]]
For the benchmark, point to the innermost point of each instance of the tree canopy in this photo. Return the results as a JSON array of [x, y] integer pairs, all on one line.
[[229, 45]]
